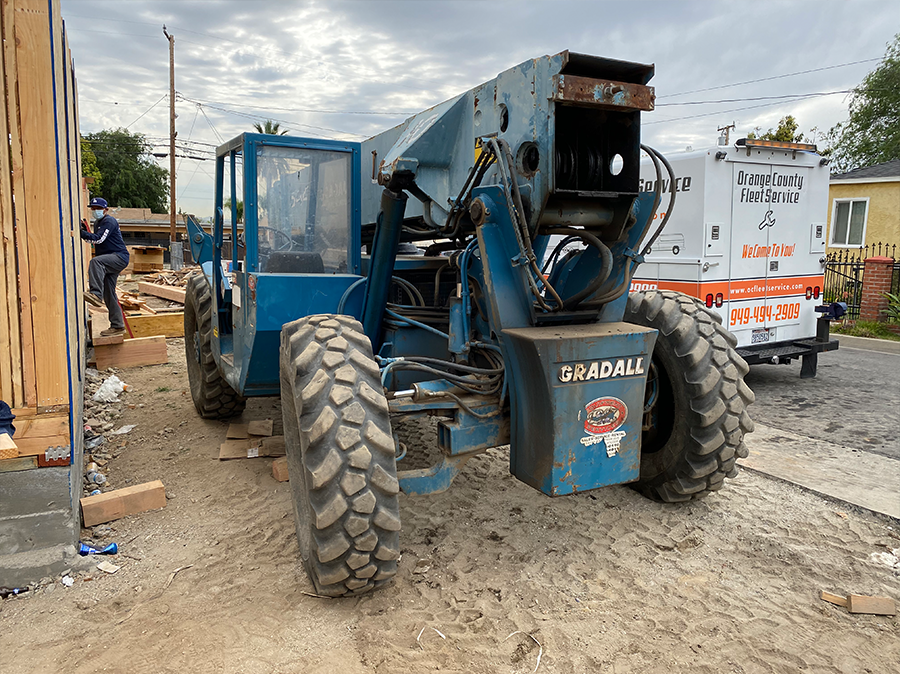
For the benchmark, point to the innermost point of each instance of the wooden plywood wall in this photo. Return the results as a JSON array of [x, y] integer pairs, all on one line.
[[42, 200]]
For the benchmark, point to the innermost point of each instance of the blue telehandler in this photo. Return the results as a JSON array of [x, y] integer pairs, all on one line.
[[470, 266]]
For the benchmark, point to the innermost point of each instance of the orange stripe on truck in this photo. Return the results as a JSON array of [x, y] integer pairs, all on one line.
[[738, 289]]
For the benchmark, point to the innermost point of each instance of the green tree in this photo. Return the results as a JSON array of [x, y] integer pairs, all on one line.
[[871, 134], [270, 127], [130, 176], [786, 132], [89, 167], [240, 209]]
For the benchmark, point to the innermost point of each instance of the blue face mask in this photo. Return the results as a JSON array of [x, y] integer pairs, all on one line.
[[97, 214]]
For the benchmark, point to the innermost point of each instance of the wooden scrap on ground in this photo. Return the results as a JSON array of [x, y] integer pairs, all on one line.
[[166, 292], [113, 505], [132, 353], [130, 301], [858, 603], [836, 599], [280, 469]]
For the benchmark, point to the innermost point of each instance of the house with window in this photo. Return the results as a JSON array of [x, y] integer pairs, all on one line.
[[864, 208]]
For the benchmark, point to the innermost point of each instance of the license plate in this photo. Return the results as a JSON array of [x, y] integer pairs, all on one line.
[[759, 336]]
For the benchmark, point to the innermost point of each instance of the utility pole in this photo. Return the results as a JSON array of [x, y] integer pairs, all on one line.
[[176, 256], [724, 131]]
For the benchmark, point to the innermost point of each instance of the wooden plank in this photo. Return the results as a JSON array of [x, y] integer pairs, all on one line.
[[29, 388], [14, 465], [74, 274], [8, 447], [34, 435], [10, 338], [166, 292], [263, 427], [35, 72], [836, 599], [858, 603], [132, 353], [167, 324], [280, 469], [122, 502]]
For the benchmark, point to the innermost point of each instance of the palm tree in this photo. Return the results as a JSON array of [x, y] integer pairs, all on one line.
[[270, 127]]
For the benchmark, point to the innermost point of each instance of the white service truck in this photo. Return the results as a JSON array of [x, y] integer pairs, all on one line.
[[747, 237]]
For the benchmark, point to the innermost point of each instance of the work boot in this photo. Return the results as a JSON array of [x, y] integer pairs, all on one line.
[[91, 298], [112, 332]]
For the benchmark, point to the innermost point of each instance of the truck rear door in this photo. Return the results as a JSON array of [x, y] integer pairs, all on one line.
[[749, 267]]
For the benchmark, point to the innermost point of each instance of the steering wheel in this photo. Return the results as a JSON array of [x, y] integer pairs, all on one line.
[[286, 244]]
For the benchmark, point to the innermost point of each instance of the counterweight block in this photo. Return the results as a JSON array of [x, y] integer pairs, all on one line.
[[577, 417]]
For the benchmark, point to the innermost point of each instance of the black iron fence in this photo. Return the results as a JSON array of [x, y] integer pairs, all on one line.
[[844, 274]]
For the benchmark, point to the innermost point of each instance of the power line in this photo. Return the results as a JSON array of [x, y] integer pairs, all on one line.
[[200, 108], [717, 112], [760, 98], [773, 77], [313, 110], [196, 113], [148, 110], [280, 121]]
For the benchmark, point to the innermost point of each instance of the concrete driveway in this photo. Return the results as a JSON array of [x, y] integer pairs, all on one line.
[[854, 401]]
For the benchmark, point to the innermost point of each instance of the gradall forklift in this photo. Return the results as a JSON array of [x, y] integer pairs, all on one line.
[[409, 277]]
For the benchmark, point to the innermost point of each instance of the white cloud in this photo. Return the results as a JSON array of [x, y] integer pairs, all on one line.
[[285, 60]]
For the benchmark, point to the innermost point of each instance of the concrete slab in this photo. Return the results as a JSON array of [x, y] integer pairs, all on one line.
[[27, 492], [19, 570], [38, 530], [864, 479]]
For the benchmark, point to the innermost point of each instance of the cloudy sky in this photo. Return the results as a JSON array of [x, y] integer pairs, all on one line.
[[349, 70]]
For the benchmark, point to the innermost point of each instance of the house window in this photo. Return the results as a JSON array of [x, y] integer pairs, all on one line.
[[848, 222]]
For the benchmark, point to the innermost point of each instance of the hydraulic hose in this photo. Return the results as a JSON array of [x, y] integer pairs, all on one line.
[[606, 264]]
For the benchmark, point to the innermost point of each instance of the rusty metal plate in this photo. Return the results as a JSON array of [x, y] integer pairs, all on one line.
[[603, 93]]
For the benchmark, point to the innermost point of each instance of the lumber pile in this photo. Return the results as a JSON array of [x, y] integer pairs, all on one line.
[[146, 258], [131, 301], [170, 277]]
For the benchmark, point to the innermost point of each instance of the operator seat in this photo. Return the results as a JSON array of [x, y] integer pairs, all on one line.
[[293, 262]]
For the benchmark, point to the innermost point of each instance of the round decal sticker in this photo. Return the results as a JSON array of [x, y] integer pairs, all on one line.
[[604, 415]]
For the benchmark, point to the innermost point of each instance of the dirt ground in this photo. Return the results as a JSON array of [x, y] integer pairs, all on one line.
[[604, 582]]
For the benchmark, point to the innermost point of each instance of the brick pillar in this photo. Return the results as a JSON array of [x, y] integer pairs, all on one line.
[[876, 281]]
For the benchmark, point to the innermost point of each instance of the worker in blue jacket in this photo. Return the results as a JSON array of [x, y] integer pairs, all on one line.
[[110, 258]]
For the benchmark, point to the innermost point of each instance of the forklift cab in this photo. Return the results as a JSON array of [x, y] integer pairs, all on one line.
[[290, 208]]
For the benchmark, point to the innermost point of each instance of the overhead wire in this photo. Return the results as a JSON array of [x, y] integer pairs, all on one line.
[[163, 97], [773, 77]]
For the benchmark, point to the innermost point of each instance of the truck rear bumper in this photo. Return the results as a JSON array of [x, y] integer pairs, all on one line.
[[784, 352]]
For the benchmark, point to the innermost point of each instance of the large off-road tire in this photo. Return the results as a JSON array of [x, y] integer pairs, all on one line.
[[212, 395], [341, 455], [700, 415]]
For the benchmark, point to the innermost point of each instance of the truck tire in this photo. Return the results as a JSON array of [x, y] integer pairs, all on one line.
[[701, 399], [212, 395], [341, 455]]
